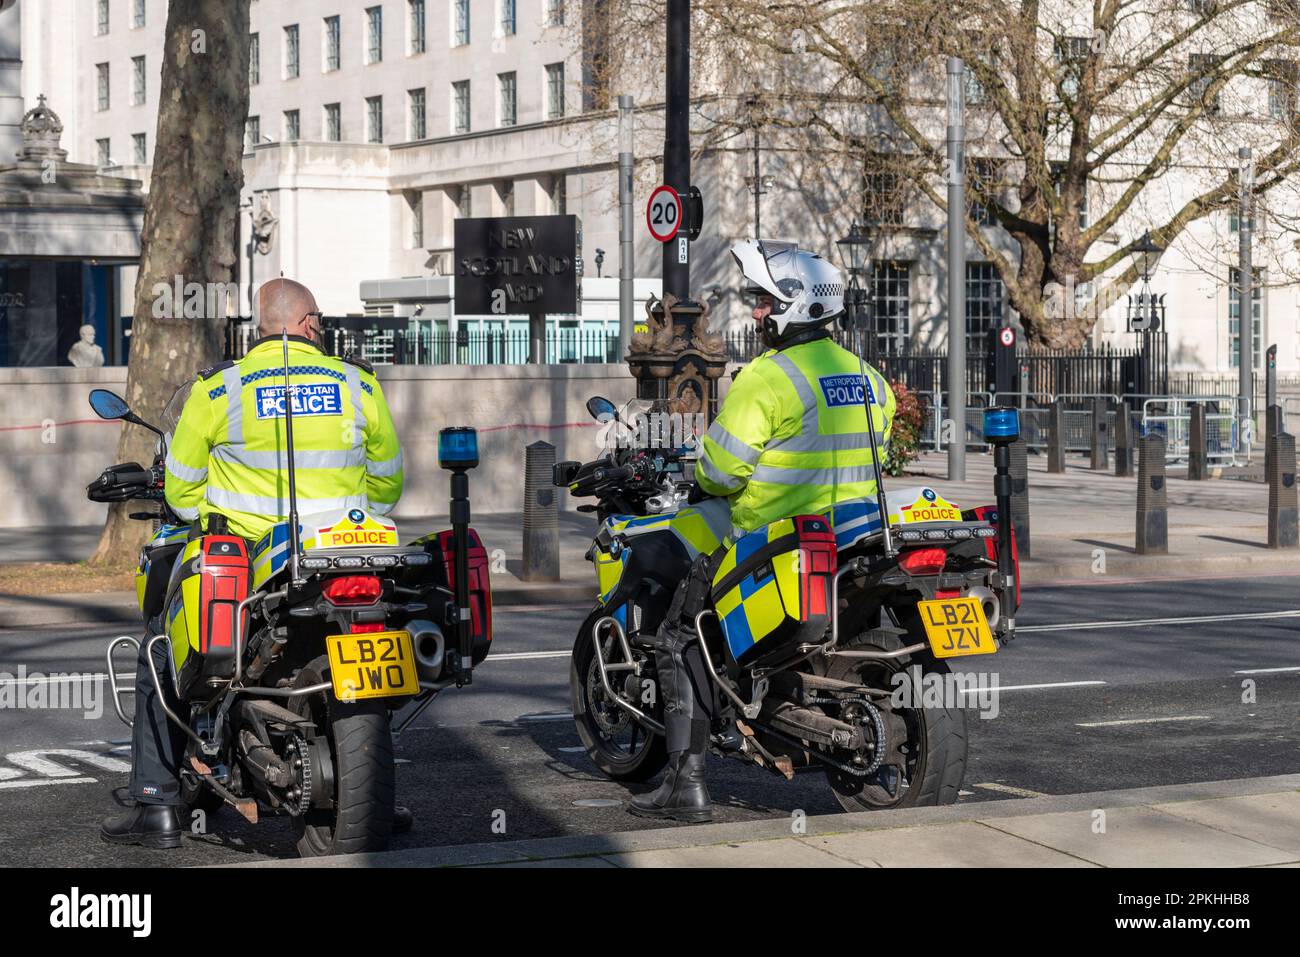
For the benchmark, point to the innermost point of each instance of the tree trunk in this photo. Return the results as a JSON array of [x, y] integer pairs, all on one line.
[[191, 223]]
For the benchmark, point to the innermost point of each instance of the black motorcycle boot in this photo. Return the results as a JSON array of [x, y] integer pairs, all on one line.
[[682, 797], [149, 825]]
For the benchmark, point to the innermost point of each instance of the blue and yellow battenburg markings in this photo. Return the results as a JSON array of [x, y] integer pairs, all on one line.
[[754, 608], [690, 525]]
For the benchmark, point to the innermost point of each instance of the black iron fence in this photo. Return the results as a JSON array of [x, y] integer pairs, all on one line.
[[1041, 371]]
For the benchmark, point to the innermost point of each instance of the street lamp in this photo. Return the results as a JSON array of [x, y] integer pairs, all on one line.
[[1146, 313], [855, 253]]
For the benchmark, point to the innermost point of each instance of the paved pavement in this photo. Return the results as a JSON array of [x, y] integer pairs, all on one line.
[[1112, 685], [1254, 822]]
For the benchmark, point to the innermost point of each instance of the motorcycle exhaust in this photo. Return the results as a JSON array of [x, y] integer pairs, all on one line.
[[430, 647], [992, 604]]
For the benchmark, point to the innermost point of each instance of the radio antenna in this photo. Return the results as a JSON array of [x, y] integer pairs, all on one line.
[[294, 543], [867, 402]]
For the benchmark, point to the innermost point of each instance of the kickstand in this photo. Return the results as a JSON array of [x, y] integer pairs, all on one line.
[[246, 807]]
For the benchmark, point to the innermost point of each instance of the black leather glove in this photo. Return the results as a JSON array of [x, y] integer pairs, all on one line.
[[696, 494]]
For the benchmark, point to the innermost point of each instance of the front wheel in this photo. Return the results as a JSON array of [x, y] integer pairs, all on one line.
[[925, 751], [363, 783], [619, 745]]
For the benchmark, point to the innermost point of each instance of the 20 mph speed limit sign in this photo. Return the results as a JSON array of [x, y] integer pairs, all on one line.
[[663, 214]]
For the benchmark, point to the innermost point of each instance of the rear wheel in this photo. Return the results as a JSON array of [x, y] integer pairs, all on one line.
[[363, 784], [925, 751], [619, 745]]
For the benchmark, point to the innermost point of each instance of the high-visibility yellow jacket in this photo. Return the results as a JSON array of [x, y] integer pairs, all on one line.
[[227, 453], [791, 436]]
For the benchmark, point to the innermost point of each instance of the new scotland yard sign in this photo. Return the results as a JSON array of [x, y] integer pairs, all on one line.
[[517, 265]]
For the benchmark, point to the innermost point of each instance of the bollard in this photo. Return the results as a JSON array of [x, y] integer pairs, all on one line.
[[1273, 426], [1152, 497], [1198, 463], [1282, 499], [541, 520], [1100, 433], [1123, 441], [1056, 438], [1020, 496]]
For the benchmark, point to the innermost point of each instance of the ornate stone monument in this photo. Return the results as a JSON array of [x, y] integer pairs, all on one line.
[[678, 361]]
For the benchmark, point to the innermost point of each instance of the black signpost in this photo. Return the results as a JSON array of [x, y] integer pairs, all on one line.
[[518, 266]]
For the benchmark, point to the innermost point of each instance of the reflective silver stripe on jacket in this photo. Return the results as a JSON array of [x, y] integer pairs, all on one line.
[[729, 443], [183, 471], [354, 391], [847, 442], [718, 478], [234, 408], [277, 459], [381, 508], [843, 475], [807, 397], [271, 505], [385, 468], [190, 513]]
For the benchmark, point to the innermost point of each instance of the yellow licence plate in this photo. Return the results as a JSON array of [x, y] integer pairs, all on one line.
[[380, 664], [956, 626]]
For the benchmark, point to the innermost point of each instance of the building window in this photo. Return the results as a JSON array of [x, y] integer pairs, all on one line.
[[984, 177], [1071, 56], [1058, 180], [139, 153], [464, 202], [374, 119], [415, 9], [417, 126], [460, 106], [374, 34], [333, 123], [102, 154], [983, 304], [560, 194], [137, 80], [506, 193], [292, 61], [253, 131], [975, 92], [554, 90], [1234, 317], [292, 126], [1281, 89], [509, 98], [884, 198], [415, 203], [1202, 8], [333, 41], [508, 23], [1200, 65], [460, 23], [137, 14], [555, 13], [101, 18], [254, 59], [891, 292], [101, 87]]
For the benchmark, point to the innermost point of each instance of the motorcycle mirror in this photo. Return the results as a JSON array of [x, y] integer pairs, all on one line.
[[600, 407], [109, 405]]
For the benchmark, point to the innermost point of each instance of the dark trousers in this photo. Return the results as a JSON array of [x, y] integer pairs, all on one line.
[[157, 745], [690, 697]]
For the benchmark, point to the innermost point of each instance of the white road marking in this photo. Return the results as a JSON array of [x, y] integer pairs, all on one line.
[[566, 716], [1009, 789], [529, 655], [1266, 671], [1051, 684], [39, 782], [1126, 721], [1131, 622], [578, 750]]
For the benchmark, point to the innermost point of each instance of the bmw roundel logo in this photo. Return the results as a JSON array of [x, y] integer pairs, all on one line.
[[356, 515], [928, 494]]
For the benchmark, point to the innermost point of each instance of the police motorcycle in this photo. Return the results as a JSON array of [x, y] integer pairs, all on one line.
[[828, 637], [298, 660]]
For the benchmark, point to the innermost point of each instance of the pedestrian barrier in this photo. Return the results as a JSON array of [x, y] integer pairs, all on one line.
[[1170, 417]]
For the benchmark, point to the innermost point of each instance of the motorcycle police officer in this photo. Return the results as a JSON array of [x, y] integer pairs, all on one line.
[[790, 439], [226, 462]]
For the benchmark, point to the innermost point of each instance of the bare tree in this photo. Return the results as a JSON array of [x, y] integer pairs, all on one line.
[[190, 222], [1088, 122]]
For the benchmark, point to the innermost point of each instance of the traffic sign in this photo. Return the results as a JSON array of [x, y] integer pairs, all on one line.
[[663, 214], [1007, 335]]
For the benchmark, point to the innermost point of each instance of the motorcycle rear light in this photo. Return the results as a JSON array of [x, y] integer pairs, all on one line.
[[382, 561], [349, 563], [366, 628], [419, 558], [353, 590], [314, 564], [923, 561], [987, 531]]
